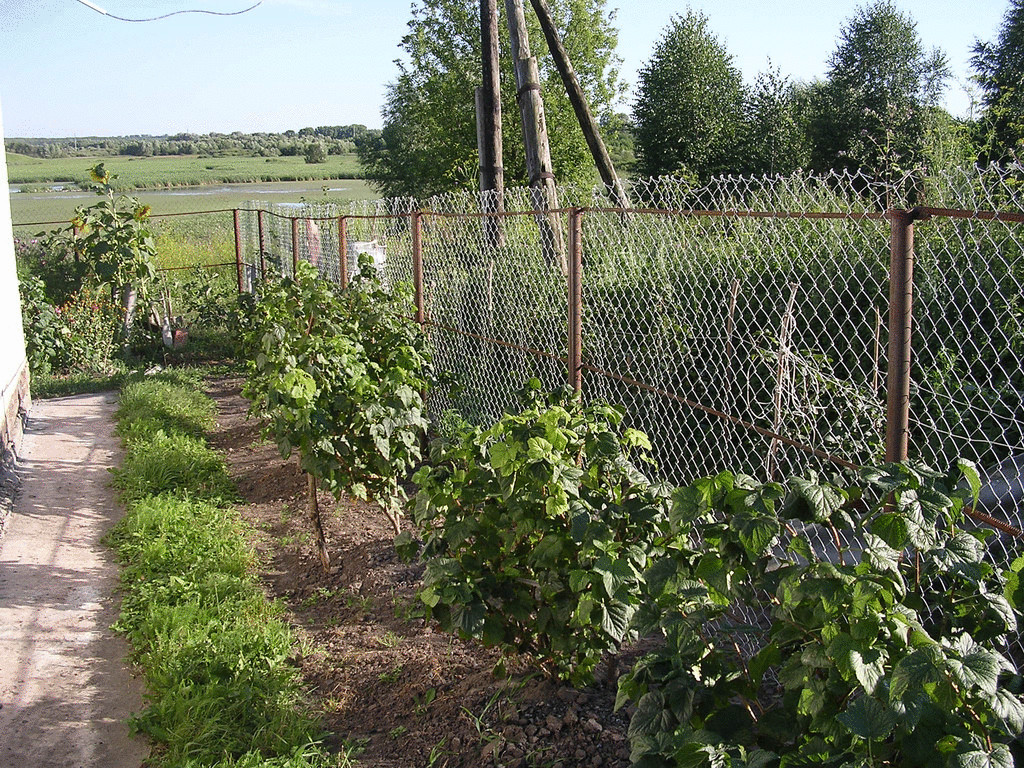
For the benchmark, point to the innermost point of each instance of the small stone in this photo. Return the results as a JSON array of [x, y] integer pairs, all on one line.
[[597, 762], [553, 723], [592, 726], [531, 730], [579, 754], [492, 748], [570, 718]]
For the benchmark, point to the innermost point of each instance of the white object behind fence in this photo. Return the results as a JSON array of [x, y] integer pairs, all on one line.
[[375, 248]]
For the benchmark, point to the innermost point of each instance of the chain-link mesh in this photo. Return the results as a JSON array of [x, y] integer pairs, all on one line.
[[743, 324]]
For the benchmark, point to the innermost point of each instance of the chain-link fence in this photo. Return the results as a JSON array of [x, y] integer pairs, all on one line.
[[750, 325]]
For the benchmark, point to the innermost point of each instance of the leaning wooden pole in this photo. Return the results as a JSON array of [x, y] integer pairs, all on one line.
[[535, 136], [578, 99]]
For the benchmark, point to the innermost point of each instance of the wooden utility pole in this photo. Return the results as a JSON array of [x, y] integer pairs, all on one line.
[[578, 99], [492, 174], [535, 135]]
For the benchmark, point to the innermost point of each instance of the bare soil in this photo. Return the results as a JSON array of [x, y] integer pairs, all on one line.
[[404, 692]]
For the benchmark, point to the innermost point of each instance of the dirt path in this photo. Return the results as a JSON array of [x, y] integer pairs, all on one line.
[[65, 689]]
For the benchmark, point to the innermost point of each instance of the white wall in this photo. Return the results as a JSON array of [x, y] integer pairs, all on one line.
[[13, 377]]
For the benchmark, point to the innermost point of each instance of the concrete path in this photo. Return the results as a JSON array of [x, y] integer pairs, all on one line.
[[65, 689]]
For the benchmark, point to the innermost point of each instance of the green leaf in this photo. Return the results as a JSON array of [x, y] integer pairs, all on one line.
[[1009, 708], [892, 528], [756, 533], [615, 619], [469, 619], [547, 551], [977, 666], [911, 673], [868, 718], [500, 455], [812, 502], [999, 757], [650, 717], [760, 662], [969, 470]]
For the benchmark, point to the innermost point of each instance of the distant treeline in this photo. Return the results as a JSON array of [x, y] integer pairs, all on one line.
[[334, 139]]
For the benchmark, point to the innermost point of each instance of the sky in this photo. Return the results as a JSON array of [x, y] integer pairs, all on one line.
[[66, 70]]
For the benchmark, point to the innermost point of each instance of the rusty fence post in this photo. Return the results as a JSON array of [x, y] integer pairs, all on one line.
[[901, 294], [416, 222], [575, 303], [295, 248], [262, 236], [343, 251], [238, 251]]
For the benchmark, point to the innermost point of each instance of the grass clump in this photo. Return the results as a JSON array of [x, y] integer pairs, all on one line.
[[152, 404], [177, 465], [221, 688]]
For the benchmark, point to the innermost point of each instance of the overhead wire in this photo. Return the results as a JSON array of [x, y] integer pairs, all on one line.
[[103, 12]]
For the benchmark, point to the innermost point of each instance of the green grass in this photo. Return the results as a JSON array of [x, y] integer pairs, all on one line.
[[178, 170], [188, 241], [215, 654], [149, 405], [50, 385], [170, 463], [34, 207]]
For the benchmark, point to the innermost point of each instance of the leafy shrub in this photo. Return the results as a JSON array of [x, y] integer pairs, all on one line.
[[882, 647], [203, 296], [45, 333], [340, 377], [54, 262], [92, 324], [538, 531]]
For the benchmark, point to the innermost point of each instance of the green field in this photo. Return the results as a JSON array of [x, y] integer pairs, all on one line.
[[177, 170], [32, 208]]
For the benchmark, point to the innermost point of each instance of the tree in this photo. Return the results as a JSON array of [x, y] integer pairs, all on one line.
[[315, 153], [870, 114], [775, 126], [689, 104], [428, 141], [1000, 74]]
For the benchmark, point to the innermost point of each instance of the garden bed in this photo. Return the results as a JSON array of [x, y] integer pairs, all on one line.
[[401, 691]]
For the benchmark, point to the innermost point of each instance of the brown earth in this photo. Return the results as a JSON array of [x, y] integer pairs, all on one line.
[[401, 692]]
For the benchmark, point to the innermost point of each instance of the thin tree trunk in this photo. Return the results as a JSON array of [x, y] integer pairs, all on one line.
[[128, 299], [318, 525]]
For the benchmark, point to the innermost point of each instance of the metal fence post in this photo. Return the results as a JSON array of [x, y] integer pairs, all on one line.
[[295, 247], [575, 299], [901, 293], [417, 265], [343, 251], [263, 244], [238, 251]]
